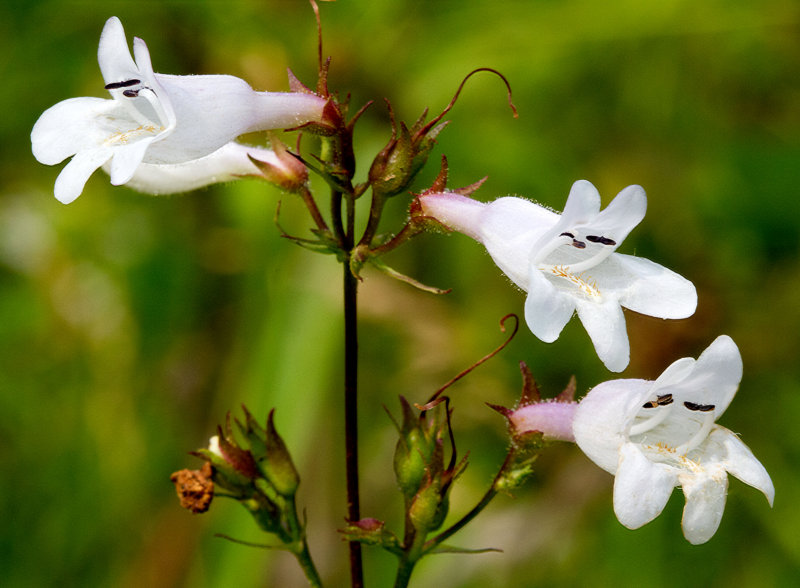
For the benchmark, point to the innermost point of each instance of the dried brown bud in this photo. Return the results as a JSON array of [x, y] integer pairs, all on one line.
[[195, 488]]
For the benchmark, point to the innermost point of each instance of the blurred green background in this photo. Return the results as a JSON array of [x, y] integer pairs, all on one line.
[[129, 325]]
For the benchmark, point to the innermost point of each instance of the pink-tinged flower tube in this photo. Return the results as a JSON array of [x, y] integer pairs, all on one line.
[[154, 118], [656, 435], [550, 417], [568, 263]]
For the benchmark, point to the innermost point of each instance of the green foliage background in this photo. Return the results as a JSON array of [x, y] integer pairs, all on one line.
[[129, 325]]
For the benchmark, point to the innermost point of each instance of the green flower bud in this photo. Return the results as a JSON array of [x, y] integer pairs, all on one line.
[[277, 465]]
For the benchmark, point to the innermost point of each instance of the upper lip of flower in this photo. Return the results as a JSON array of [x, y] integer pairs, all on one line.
[[584, 236], [657, 435]]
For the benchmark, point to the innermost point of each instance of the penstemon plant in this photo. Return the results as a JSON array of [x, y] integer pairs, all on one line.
[[166, 134]]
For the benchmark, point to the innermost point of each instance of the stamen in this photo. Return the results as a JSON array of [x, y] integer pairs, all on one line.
[[124, 84], [661, 400], [600, 239], [130, 93], [658, 418], [702, 433], [152, 98], [552, 245], [578, 244], [699, 407]]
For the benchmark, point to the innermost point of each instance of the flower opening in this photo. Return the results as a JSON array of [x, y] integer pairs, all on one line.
[[654, 436], [568, 263]]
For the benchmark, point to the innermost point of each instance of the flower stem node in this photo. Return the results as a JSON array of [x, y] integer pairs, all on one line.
[[656, 435], [372, 531]]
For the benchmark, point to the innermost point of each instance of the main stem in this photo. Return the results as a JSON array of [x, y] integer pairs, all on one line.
[[351, 416]]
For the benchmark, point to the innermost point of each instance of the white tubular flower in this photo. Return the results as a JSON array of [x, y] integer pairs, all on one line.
[[654, 436], [567, 263], [154, 118], [228, 163]]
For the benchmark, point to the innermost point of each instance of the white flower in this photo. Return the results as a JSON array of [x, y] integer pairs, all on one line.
[[228, 163], [654, 436], [567, 263], [154, 118]]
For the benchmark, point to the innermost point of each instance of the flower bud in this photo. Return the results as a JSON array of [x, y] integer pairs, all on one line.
[[413, 453], [278, 466], [395, 167], [426, 511], [280, 167]]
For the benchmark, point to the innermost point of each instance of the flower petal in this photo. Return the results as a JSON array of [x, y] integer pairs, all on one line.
[[717, 374], [508, 229], [126, 159], [162, 105], [641, 487], [651, 288], [739, 461], [583, 204], [705, 502], [619, 218], [113, 54], [226, 164], [605, 323], [547, 310], [676, 373], [72, 178], [68, 127], [603, 416]]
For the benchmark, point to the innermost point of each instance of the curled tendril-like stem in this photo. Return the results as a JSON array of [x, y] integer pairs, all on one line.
[[315, 8], [433, 399], [447, 108]]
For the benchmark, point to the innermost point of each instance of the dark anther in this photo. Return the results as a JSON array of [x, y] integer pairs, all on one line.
[[601, 240], [125, 84], [699, 407], [130, 93], [578, 244], [570, 235], [662, 400]]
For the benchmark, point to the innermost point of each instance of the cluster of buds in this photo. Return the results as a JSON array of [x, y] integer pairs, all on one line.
[[257, 471], [419, 465], [424, 479]]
